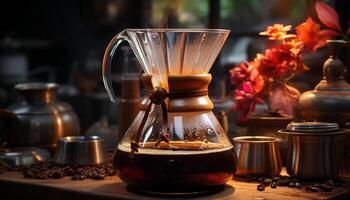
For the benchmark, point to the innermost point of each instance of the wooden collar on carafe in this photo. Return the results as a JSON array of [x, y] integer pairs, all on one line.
[[187, 93]]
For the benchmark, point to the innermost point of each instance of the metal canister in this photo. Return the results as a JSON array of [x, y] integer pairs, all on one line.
[[257, 156], [315, 150]]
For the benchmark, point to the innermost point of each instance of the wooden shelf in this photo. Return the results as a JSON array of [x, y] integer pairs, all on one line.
[[14, 186]]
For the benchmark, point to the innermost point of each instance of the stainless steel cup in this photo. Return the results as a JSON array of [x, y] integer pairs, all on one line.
[[257, 156], [80, 150], [315, 150], [24, 156]]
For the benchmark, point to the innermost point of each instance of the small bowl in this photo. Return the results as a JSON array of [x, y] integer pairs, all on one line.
[[257, 156], [80, 150], [24, 156]]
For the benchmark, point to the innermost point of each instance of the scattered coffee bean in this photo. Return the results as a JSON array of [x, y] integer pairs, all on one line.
[[275, 179], [266, 182], [260, 187], [261, 179], [81, 177], [292, 185], [99, 177], [273, 185], [308, 188], [314, 189], [298, 185], [311, 188], [57, 175], [330, 183]]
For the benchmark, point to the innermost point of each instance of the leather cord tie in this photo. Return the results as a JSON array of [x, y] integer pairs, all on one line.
[[158, 96]]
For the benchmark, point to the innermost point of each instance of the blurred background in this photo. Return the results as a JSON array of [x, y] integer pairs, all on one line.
[[63, 41]]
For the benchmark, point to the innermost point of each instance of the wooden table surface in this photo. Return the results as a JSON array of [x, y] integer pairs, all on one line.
[[12, 184]]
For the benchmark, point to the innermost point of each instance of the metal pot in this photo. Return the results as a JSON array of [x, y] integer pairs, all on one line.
[[37, 119], [330, 100], [315, 150]]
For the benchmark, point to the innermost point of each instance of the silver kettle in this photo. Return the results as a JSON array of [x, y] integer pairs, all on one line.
[[37, 118]]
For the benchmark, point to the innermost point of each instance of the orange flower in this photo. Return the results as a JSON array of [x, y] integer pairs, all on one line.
[[310, 34], [278, 32]]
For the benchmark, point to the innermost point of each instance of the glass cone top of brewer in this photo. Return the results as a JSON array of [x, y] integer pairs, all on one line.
[[175, 140], [164, 52]]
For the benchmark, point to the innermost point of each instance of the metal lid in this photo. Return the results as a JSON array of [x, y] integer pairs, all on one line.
[[312, 127]]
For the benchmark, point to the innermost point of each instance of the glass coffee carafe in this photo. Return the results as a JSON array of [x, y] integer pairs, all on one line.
[[175, 143]]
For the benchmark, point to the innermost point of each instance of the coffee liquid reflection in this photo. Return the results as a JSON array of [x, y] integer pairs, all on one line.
[[176, 166]]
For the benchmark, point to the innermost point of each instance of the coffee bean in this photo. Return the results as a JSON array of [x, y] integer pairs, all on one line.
[[298, 185], [314, 189], [273, 185], [292, 185], [261, 179], [57, 175], [275, 179], [330, 183], [266, 182], [311, 188], [99, 177], [260, 187], [308, 188]]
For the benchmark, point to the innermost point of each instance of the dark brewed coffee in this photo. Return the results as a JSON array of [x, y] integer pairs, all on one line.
[[176, 166]]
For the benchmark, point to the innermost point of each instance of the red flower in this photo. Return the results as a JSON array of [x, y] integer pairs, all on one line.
[[247, 71], [246, 99], [239, 73], [312, 36], [282, 61], [250, 83]]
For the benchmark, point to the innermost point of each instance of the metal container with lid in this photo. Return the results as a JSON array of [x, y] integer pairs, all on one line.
[[315, 149], [330, 100], [37, 118]]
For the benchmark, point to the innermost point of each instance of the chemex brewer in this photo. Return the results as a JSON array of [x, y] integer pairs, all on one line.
[[175, 143]]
